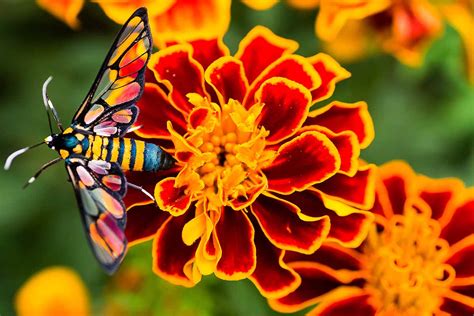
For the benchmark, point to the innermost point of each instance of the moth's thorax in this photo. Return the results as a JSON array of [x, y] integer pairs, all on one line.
[[68, 142]]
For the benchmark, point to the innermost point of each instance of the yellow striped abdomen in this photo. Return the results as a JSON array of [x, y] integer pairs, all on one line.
[[130, 154]]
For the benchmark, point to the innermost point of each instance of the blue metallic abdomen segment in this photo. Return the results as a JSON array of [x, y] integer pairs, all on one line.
[[155, 158]]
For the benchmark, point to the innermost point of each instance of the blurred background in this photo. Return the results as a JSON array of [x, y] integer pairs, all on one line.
[[424, 116]]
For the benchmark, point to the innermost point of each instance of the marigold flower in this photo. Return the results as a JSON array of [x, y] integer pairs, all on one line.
[[257, 172], [352, 29], [65, 10], [417, 259], [176, 20], [54, 291]]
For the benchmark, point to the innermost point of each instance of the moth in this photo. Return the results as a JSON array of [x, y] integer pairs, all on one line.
[[94, 147]]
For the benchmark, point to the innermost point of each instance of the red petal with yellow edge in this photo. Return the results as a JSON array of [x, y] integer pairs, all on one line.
[[281, 224], [317, 281], [170, 254], [207, 51], [272, 277], [261, 47], [65, 10], [457, 304], [349, 226], [155, 111], [398, 179], [357, 191], [339, 117], [147, 180], [305, 160], [227, 77], [180, 73], [286, 105], [330, 72], [236, 238], [348, 301], [461, 223], [171, 199], [188, 20], [332, 255], [143, 221], [381, 202], [347, 145], [293, 67], [461, 257], [439, 193]]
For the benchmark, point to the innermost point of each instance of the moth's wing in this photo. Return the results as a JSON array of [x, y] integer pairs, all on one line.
[[109, 107], [99, 195]]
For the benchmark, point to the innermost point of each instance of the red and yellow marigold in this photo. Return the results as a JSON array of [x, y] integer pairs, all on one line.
[[252, 161], [351, 29], [417, 259]]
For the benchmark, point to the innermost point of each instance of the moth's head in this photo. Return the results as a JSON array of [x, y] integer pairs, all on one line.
[[52, 141]]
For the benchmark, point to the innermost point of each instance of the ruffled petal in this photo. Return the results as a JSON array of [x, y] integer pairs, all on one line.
[[347, 301], [292, 67], [226, 75], [349, 226], [307, 159], [461, 257], [120, 11], [236, 238], [333, 15], [170, 254], [281, 224], [143, 221], [180, 73], [332, 255], [330, 72], [357, 191], [272, 277], [399, 181], [457, 304], [65, 10], [317, 282], [261, 47], [439, 194], [170, 198], [339, 117], [188, 20], [207, 51], [286, 105], [461, 222], [155, 112]]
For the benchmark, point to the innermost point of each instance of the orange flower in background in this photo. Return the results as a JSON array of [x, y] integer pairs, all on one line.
[[258, 172], [417, 259], [65, 10], [171, 21], [352, 29], [174, 21], [54, 291]]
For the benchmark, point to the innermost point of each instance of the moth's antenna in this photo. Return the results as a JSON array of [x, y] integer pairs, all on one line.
[[50, 107], [17, 153], [43, 167]]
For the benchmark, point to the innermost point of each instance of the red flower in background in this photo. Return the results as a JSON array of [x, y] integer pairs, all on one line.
[[417, 259], [258, 173]]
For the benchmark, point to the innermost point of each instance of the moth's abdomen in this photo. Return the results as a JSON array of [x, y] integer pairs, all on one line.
[[130, 154]]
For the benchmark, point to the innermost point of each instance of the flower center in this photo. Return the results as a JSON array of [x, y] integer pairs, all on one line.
[[228, 150], [405, 265]]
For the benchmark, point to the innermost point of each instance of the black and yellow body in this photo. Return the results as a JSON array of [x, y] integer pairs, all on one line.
[[130, 154]]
